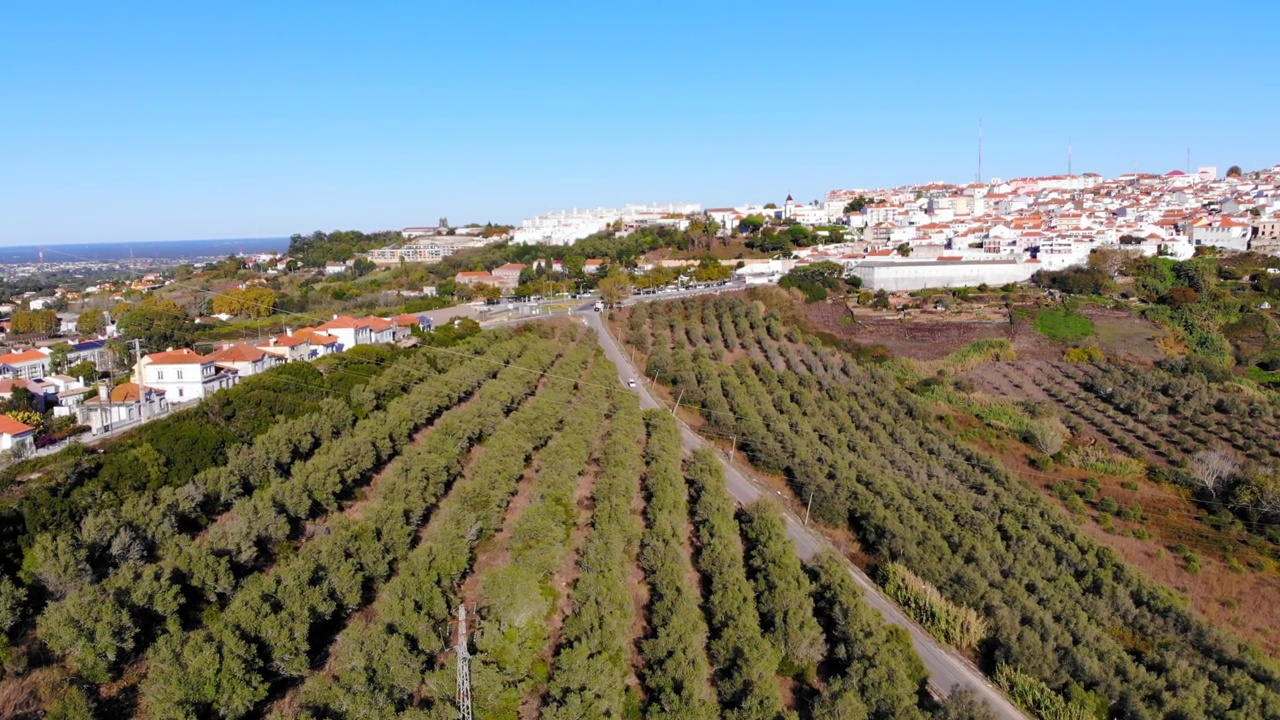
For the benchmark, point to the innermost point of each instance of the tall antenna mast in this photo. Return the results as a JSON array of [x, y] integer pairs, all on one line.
[[979, 150], [464, 666], [1188, 161], [1068, 156]]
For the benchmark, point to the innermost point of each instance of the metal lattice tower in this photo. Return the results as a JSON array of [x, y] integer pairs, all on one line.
[[464, 666]]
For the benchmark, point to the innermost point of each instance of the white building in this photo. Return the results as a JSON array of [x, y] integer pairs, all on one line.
[[16, 436], [246, 360], [568, 226], [424, 249], [27, 365], [349, 331], [1225, 232], [125, 405], [184, 374], [946, 271]]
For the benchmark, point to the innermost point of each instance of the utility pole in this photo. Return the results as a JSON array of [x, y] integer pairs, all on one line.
[[142, 389], [733, 446], [678, 399], [807, 508], [464, 666]]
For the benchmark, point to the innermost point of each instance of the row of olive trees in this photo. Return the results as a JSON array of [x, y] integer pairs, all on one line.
[[874, 672], [210, 567], [676, 674], [592, 668], [415, 607], [518, 598], [746, 664], [271, 631], [781, 588]]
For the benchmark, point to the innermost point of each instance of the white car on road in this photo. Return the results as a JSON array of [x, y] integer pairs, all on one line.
[[631, 383]]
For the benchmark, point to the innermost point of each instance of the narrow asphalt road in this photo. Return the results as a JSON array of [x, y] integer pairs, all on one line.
[[947, 668]]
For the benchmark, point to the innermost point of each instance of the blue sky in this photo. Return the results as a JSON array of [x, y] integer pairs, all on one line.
[[147, 121]]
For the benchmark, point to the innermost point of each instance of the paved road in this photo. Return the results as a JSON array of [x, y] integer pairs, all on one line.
[[947, 669]]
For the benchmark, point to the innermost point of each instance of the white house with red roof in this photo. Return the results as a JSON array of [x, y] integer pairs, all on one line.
[[26, 365], [594, 265], [125, 405], [245, 359], [287, 347], [184, 374], [322, 343], [349, 331], [380, 330], [16, 436], [1224, 232]]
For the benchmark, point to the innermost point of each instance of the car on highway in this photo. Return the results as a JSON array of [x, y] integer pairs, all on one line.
[[631, 383]]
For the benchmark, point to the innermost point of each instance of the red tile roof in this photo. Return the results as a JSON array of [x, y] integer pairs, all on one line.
[[406, 320], [284, 341], [343, 322], [26, 356], [128, 392], [315, 337], [238, 353], [376, 324], [9, 426], [182, 356]]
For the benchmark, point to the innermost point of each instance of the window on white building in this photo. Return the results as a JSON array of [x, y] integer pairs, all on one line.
[[159, 374], [179, 374]]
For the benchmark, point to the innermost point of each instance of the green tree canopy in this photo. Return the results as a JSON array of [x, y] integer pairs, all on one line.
[[615, 288], [159, 324]]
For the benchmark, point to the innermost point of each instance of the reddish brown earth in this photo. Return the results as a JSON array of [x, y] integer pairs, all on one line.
[[930, 335], [1242, 601]]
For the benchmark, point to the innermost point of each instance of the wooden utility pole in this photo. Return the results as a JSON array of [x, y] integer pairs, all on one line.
[[142, 389]]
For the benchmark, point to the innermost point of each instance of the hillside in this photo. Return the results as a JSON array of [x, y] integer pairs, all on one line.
[[889, 454], [309, 561]]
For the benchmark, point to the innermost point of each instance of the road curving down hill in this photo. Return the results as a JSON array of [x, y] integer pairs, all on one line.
[[947, 668]]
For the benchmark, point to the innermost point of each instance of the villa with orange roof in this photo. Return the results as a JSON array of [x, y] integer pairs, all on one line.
[[245, 359], [185, 374], [380, 331], [287, 347], [1224, 232], [322, 343], [349, 331], [26, 365], [16, 436]]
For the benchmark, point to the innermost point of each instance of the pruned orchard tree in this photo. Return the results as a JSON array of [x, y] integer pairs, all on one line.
[[1214, 469]]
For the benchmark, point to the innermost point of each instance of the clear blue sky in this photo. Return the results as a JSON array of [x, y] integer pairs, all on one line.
[[174, 120]]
